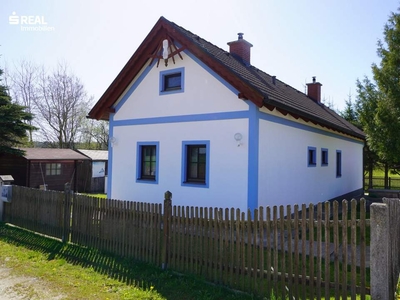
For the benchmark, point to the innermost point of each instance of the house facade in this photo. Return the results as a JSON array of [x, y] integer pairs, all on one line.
[[203, 123]]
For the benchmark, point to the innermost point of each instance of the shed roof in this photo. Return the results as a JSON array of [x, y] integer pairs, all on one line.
[[52, 154], [95, 154]]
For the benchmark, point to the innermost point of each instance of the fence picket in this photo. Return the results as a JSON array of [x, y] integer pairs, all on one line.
[[319, 250], [296, 252], [353, 247], [336, 247], [344, 248], [327, 250]]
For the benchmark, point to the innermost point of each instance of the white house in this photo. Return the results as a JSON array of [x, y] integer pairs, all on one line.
[[189, 117]]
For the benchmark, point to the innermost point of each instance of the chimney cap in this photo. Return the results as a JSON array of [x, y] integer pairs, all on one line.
[[240, 35]]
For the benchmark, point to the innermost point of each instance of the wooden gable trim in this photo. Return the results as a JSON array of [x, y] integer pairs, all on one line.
[[161, 30]]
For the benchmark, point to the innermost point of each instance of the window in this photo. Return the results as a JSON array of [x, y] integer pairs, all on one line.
[[147, 162], [53, 169], [312, 156], [324, 157], [195, 163], [338, 163], [172, 81]]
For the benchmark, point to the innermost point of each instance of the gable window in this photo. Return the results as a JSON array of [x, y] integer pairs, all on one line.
[[147, 162], [172, 81], [312, 156], [195, 163], [53, 169], [338, 163], [324, 157]]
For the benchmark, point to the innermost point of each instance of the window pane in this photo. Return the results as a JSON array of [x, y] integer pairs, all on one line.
[[148, 163], [172, 81], [202, 171], [196, 163], [193, 170]]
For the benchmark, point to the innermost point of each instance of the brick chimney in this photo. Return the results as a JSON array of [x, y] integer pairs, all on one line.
[[314, 90], [241, 48]]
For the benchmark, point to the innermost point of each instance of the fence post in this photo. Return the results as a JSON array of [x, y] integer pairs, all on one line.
[[379, 256], [393, 205], [67, 201], [166, 228]]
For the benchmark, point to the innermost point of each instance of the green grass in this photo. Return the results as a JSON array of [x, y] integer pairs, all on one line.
[[95, 195], [72, 270]]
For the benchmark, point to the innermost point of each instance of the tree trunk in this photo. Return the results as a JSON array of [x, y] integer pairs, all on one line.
[[386, 176]]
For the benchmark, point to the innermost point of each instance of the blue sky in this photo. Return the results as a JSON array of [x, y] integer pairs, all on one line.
[[294, 40]]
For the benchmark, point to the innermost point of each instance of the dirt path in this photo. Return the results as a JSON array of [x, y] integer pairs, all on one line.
[[21, 287]]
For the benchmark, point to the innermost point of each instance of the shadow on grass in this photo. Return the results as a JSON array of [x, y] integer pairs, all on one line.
[[129, 271]]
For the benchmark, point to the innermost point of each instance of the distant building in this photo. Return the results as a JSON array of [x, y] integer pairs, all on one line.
[[45, 168], [93, 172]]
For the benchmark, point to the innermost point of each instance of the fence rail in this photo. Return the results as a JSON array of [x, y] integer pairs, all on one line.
[[314, 252], [379, 183]]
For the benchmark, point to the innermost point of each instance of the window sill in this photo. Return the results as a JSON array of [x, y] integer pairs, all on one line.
[[171, 91], [195, 184], [147, 180]]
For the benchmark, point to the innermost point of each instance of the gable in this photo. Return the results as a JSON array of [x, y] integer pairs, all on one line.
[[203, 92], [250, 83]]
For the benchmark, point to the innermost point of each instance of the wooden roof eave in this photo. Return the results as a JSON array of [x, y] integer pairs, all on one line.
[[309, 118]]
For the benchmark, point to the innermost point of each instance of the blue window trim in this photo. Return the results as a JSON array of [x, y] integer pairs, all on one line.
[[324, 164], [184, 164], [313, 159], [338, 163], [169, 72], [139, 162]]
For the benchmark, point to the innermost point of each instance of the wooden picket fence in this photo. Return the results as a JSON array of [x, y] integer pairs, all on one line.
[[300, 252]]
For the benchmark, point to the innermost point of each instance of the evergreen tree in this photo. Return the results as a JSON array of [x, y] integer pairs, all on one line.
[[378, 101], [13, 123]]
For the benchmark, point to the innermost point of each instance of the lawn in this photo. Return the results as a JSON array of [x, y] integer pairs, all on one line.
[[81, 273]]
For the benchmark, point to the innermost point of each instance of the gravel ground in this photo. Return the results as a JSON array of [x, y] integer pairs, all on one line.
[[21, 287]]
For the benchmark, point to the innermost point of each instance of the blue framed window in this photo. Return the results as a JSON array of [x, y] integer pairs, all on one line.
[[312, 156], [196, 163], [338, 163], [324, 157], [172, 81], [147, 162]]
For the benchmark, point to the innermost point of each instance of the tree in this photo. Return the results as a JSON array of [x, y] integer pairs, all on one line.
[[358, 117], [57, 98], [350, 112], [94, 134], [61, 106], [378, 101], [14, 123], [23, 85]]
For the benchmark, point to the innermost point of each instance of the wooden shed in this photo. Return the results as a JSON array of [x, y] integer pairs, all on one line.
[[43, 167], [93, 172]]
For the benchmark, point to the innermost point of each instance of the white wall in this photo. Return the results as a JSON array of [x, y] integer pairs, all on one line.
[[284, 175], [203, 94], [228, 163]]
